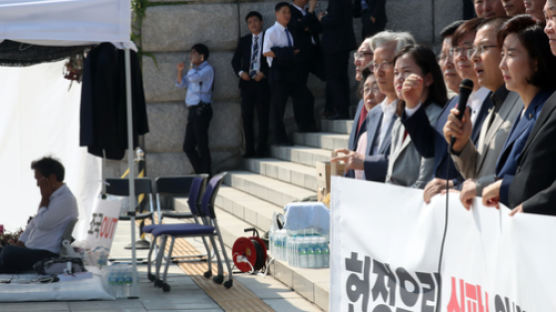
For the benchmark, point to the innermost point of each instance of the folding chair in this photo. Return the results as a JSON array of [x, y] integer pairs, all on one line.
[[185, 186], [66, 250], [120, 187], [208, 227], [177, 187]]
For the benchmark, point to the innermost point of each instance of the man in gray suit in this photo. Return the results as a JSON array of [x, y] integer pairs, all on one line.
[[477, 164], [385, 45]]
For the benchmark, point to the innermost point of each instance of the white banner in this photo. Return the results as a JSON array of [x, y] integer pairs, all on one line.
[[386, 246]]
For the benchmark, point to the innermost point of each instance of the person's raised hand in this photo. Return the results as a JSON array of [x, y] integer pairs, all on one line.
[[491, 194], [468, 193], [458, 129], [412, 90], [352, 160], [181, 66]]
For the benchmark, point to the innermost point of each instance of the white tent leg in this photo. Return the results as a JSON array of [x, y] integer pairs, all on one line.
[[130, 165]]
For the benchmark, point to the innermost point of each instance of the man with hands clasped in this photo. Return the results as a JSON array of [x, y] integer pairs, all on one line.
[[477, 163]]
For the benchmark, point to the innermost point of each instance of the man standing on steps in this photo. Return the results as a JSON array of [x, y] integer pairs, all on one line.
[[251, 67], [338, 40], [373, 16]]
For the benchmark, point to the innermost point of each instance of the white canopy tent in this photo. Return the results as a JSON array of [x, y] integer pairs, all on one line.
[[74, 23]]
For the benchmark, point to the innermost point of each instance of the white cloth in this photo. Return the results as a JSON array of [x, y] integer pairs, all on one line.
[[388, 112], [47, 227], [307, 215], [275, 36], [475, 102], [361, 147]]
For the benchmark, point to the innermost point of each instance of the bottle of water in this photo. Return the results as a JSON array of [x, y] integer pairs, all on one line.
[[277, 242], [289, 247], [311, 246], [128, 282], [319, 261], [271, 242], [303, 252], [326, 255]]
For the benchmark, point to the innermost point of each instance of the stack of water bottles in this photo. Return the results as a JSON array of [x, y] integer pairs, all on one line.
[[305, 249], [120, 280]]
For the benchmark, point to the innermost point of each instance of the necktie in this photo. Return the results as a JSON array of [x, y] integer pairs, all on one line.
[[255, 49], [290, 43]]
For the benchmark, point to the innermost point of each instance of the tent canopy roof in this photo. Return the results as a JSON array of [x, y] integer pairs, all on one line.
[[66, 22]]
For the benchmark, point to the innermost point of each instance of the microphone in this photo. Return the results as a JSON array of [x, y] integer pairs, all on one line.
[[465, 88]]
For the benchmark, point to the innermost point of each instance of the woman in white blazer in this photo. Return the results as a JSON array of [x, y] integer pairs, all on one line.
[[417, 79]]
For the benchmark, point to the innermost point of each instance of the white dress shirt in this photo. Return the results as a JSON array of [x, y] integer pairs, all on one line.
[[361, 146], [46, 229], [475, 102], [388, 112], [276, 36]]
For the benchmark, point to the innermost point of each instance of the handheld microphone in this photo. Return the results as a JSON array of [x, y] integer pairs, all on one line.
[[465, 88]]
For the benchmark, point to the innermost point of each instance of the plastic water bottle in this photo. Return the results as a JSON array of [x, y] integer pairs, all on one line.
[[311, 246], [271, 242], [277, 242], [318, 253], [302, 252], [326, 255]]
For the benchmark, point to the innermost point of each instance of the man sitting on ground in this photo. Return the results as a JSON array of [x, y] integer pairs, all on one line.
[[43, 236]]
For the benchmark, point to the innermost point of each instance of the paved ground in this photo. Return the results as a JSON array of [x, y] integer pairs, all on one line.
[[185, 295]]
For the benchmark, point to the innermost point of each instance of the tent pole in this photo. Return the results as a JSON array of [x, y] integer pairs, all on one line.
[[130, 165]]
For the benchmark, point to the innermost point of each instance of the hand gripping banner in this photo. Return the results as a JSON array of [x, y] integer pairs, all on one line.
[[386, 253]]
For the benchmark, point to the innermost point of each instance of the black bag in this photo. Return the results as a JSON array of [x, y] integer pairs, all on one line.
[[59, 265]]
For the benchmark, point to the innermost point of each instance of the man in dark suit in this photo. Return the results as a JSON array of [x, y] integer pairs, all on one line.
[[338, 40], [250, 65], [373, 15], [305, 29]]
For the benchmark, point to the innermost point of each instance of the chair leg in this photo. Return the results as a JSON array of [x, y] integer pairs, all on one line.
[[208, 273], [220, 277], [229, 282], [165, 285], [150, 276], [159, 257]]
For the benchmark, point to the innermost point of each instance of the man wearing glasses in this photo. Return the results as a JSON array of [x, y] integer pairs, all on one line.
[[477, 162], [374, 162]]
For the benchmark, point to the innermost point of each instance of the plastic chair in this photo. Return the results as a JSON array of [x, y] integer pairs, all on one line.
[[195, 185], [120, 187], [207, 227]]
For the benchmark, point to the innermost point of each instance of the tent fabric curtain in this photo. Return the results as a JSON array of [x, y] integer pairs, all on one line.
[[13, 53]]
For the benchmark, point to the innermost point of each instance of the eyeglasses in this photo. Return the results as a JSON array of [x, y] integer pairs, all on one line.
[[460, 51], [444, 56], [360, 55], [479, 49], [386, 64]]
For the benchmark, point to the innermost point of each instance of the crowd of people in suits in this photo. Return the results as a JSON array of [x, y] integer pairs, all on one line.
[[477, 119]]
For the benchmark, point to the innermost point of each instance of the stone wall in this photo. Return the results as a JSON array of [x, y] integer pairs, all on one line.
[[171, 27]]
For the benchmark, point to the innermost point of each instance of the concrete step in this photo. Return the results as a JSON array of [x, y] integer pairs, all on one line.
[[297, 174], [300, 154], [313, 284], [342, 126], [274, 191], [248, 208], [324, 140]]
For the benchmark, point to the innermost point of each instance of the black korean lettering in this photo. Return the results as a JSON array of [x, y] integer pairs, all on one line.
[[356, 287], [384, 288], [410, 294], [428, 291]]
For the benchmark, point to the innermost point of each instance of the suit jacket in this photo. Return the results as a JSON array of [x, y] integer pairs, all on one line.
[[354, 135], [283, 65], [241, 61], [304, 30], [479, 162], [429, 140], [376, 162], [337, 26], [534, 183], [406, 166], [377, 9]]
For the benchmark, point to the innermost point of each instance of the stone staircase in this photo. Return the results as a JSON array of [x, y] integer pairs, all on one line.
[[250, 196]]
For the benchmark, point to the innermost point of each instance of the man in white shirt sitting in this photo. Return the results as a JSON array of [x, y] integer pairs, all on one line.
[[43, 235]]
